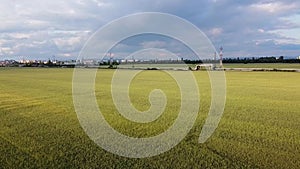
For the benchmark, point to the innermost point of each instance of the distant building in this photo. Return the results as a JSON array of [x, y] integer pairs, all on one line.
[[204, 66], [8, 63], [2, 63], [298, 57]]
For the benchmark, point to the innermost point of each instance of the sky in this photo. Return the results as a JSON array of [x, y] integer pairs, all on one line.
[[40, 29]]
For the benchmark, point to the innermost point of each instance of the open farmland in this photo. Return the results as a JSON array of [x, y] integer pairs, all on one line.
[[260, 127], [263, 65]]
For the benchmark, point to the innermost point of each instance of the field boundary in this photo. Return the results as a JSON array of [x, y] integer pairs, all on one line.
[[260, 69], [224, 69]]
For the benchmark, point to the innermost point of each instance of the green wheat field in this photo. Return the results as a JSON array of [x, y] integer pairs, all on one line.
[[260, 127]]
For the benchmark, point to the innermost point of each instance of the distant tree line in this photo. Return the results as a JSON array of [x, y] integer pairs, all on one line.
[[247, 60], [260, 60], [186, 61], [49, 63], [108, 63]]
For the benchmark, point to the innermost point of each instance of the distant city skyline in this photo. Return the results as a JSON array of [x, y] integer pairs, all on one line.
[[42, 29]]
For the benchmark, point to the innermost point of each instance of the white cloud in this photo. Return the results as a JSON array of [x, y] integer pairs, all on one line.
[[68, 44], [6, 51], [216, 31], [261, 30], [274, 7], [287, 36], [153, 44], [101, 3]]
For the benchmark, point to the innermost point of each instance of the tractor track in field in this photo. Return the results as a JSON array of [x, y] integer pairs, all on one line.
[[233, 160], [11, 149]]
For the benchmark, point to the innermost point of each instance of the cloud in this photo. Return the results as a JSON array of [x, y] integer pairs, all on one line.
[[6, 50], [153, 44], [274, 7], [261, 30], [216, 31]]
